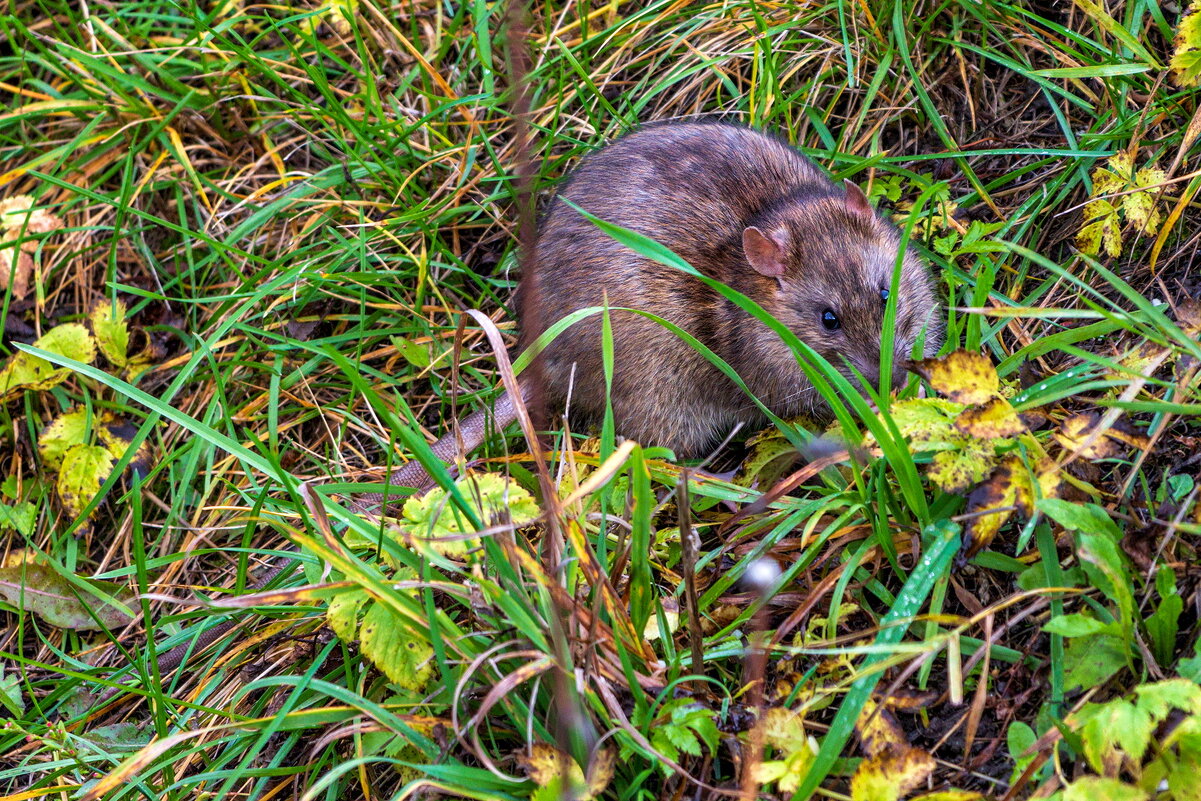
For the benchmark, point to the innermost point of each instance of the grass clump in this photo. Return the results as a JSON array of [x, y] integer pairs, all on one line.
[[263, 224]]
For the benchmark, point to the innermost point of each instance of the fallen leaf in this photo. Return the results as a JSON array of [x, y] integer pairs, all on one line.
[[84, 469], [995, 419], [18, 219], [962, 376], [890, 775], [39, 589], [65, 431], [112, 332]]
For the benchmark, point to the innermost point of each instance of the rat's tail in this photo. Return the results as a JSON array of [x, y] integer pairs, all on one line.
[[461, 439]]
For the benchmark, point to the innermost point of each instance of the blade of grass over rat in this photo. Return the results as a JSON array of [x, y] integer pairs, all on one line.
[[824, 377]]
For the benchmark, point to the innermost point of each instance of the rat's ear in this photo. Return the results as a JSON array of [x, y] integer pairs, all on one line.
[[856, 200], [764, 252]]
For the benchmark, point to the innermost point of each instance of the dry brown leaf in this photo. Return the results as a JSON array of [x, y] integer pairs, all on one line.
[[18, 219]]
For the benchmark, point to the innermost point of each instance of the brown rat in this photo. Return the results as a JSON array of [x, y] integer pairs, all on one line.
[[744, 208]]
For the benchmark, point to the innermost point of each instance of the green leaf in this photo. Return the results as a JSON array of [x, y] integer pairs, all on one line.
[[112, 332], [10, 693], [1089, 661], [1161, 697], [39, 589], [64, 432], [1078, 625], [395, 648], [124, 737], [22, 517], [1116, 724], [1085, 517], [1163, 624], [1018, 738], [1096, 788], [84, 468]]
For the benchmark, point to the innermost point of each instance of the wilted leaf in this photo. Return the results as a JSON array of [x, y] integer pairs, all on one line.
[[548, 766], [432, 518], [1133, 193], [65, 431], [1075, 431], [878, 730], [671, 615], [890, 775], [771, 456], [39, 589], [962, 376], [990, 505], [784, 729], [25, 371], [18, 219], [1186, 52], [117, 435], [995, 419], [395, 648], [112, 332], [84, 469]]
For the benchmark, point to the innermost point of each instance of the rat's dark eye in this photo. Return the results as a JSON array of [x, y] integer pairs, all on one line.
[[830, 320], [884, 295]]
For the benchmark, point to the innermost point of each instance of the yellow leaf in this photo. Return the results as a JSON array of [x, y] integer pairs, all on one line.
[[785, 730], [962, 376], [1074, 433], [878, 729], [1104, 229], [84, 468], [987, 504], [65, 431], [968, 464], [26, 371], [432, 520], [1186, 53], [890, 775], [112, 332], [546, 765], [995, 419], [396, 648]]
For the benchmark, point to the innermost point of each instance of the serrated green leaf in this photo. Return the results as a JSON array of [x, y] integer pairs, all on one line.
[[1161, 697], [22, 517], [432, 518], [1096, 788]]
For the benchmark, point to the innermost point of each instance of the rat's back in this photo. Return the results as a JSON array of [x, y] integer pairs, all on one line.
[[692, 187]]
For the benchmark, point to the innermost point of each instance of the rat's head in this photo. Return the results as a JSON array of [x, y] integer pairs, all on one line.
[[831, 258]]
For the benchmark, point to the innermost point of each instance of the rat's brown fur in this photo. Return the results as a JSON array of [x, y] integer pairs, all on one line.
[[744, 208], [696, 187]]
